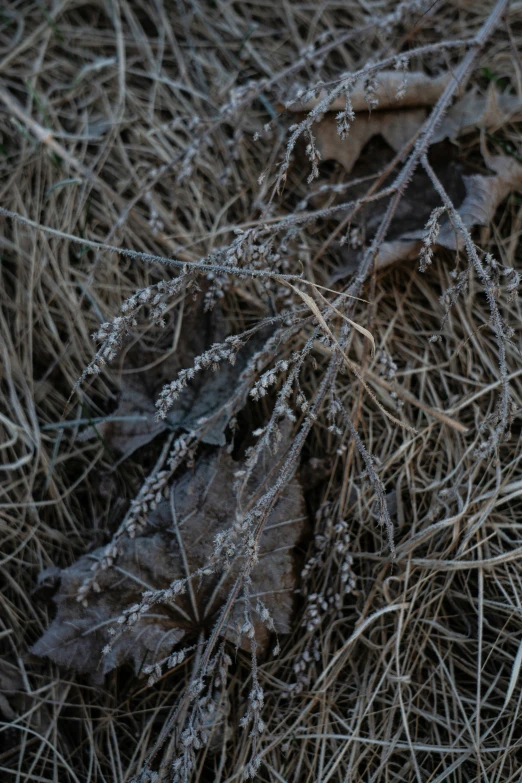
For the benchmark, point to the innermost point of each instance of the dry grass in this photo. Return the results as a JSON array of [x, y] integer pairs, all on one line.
[[417, 677]]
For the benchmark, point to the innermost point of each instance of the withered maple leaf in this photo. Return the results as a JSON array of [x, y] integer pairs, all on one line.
[[179, 539]]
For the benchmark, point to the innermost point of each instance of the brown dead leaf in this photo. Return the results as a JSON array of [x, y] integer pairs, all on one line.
[[483, 196], [477, 196], [476, 111], [396, 128], [134, 423], [203, 503], [398, 125], [412, 212], [421, 90]]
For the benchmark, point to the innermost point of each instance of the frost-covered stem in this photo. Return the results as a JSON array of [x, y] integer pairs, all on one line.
[[368, 72], [149, 496], [280, 410], [456, 84], [255, 520], [460, 77], [112, 333], [264, 506], [400, 15], [374, 68], [157, 482], [497, 324], [201, 265]]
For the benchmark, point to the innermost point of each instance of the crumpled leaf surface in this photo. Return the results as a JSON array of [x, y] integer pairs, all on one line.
[[203, 503], [483, 196], [395, 127], [398, 125], [133, 424], [473, 111], [476, 196]]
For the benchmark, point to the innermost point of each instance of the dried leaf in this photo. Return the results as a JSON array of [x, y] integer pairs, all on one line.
[[478, 195], [399, 125], [396, 128], [420, 90], [204, 504], [483, 196], [134, 423], [476, 111]]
